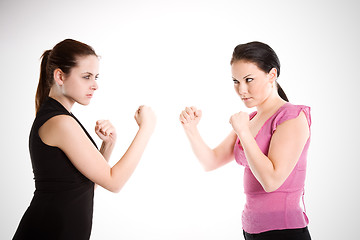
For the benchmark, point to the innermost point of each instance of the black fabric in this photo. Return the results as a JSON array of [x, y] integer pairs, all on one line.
[[62, 205], [286, 234]]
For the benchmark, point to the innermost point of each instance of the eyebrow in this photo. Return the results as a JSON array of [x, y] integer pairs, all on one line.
[[243, 77], [89, 73], [246, 76]]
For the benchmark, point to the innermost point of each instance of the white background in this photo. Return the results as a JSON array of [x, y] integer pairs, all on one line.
[[172, 54]]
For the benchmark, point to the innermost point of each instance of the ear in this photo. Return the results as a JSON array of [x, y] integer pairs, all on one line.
[[59, 76], [272, 75]]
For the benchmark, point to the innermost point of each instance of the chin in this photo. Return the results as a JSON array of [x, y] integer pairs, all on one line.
[[250, 105], [84, 103]]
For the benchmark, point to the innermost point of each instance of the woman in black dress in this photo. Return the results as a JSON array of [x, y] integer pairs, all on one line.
[[66, 161]]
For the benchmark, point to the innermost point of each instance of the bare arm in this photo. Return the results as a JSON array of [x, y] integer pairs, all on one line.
[[106, 150], [286, 146], [63, 131], [107, 133], [209, 158]]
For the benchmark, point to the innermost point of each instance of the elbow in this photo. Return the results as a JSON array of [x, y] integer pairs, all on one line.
[[114, 184], [271, 186], [270, 189], [271, 182], [114, 189], [208, 167], [211, 165]]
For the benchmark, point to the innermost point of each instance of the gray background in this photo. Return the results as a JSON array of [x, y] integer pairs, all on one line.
[[172, 54]]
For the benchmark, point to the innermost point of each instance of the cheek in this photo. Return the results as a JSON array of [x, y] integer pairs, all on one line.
[[253, 88], [258, 88], [236, 88], [264, 90], [74, 87]]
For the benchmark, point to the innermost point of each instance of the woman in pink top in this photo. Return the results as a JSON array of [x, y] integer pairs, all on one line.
[[271, 143]]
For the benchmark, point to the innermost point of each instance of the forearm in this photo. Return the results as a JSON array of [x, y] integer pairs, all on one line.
[[260, 165], [209, 158], [202, 151], [125, 167], [106, 150]]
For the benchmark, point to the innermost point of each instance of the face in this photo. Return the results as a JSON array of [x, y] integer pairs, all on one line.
[[252, 84], [80, 84]]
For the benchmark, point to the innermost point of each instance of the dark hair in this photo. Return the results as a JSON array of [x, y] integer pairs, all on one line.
[[263, 56], [63, 56]]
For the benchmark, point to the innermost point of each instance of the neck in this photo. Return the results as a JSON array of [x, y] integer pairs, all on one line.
[[271, 104], [65, 101]]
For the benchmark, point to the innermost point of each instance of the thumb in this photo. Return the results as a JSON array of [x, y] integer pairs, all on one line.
[[97, 127], [198, 113]]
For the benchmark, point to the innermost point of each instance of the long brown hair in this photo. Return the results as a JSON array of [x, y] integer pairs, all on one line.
[[263, 56], [63, 56]]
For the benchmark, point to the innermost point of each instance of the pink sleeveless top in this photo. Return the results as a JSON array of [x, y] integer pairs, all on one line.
[[279, 209]]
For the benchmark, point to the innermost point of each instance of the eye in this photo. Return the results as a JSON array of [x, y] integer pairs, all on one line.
[[235, 81], [96, 77], [87, 77], [249, 80]]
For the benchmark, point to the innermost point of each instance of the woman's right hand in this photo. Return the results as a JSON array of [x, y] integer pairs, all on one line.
[[145, 117], [190, 117]]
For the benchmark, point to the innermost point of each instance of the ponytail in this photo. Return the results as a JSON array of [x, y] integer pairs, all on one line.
[[281, 92], [43, 88]]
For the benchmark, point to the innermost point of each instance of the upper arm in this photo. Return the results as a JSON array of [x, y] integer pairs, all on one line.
[[64, 132], [287, 144]]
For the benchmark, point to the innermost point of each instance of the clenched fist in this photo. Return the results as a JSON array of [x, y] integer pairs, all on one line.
[[106, 131], [145, 117], [240, 121], [190, 117]]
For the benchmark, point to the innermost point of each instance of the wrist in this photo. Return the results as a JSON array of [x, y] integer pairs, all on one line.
[[148, 128], [107, 145], [191, 131], [244, 133], [109, 141]]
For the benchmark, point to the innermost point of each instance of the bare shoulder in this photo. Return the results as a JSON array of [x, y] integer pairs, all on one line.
[[58, 129], [299, 122], [298, 126]]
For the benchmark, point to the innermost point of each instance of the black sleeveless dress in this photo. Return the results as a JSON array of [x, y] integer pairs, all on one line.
[[62, 205]]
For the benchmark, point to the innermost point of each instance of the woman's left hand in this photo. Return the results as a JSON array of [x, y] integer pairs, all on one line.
[[240, 122], [106, 131]]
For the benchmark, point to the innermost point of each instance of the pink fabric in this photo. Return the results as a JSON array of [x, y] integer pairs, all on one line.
[[279, 209]]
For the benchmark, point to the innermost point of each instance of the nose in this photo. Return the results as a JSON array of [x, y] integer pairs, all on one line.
[[242, 88], [94, 86]]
